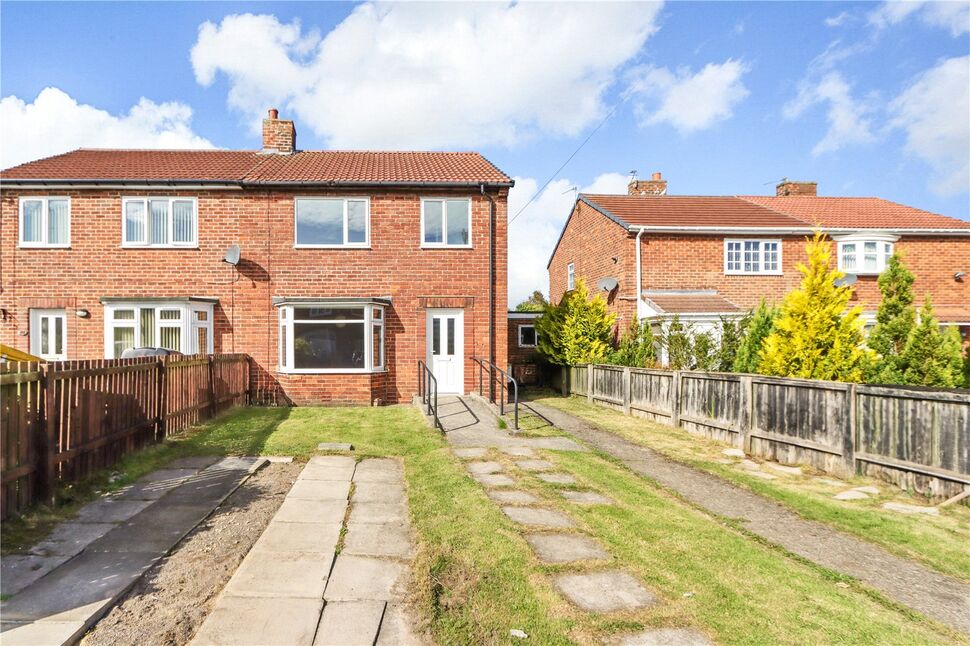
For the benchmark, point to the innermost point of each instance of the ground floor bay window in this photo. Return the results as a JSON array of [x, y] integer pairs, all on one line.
[[180, 324], [320, 336]]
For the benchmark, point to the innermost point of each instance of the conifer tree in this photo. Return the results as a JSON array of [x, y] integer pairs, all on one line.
[[578, 330], [759, 325], [816, 335], [636, 347], [895, 320], [933, 357]]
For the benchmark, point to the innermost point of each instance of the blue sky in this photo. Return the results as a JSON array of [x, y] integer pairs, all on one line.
[[723, 98]]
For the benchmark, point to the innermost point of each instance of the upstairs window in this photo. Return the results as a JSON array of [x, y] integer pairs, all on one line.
[[752, 256], [863, 255], [446, 223], [159, 222], [332, 222], [570, 276], [45, 222]]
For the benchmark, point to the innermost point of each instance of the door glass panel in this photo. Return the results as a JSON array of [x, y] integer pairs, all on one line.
[[58, 335], [451, 337], [436, 336], [45, 335]]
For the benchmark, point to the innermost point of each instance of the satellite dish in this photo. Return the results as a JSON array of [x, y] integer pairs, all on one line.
[[232, 255], [607, 284], [848, 279]]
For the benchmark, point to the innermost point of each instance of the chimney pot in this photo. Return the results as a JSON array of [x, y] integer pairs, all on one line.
[[657, 177], [274, 113], [656, 185]]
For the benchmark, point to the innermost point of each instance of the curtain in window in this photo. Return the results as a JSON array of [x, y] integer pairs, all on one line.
[[147, 328], [58, 220], [170, 338], [124, 338], [33, 214], [158, 222], [134, 222], [183, 224]]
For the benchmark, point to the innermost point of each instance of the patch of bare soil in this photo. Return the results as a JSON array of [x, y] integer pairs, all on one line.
[[167, 605]]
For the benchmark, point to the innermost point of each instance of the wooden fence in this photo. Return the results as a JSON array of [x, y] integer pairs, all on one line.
[[63, 421], [916, 438]]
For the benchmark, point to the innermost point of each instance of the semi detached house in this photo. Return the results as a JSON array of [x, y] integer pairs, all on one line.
[[352, 266], [702, 258]]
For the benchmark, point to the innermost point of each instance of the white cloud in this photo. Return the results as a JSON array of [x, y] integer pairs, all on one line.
[[933, 111], [849, 120], [954, 16], [687, 101], [55, 123], [839, 20], [534, 233], [429, 75]]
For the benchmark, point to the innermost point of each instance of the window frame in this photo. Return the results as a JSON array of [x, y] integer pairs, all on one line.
[[346, 199], [147, 199], [570, 276], [285, 346], [36, 314], [536, 334], [881, 240], [761, 257], [188, 323], [44, 223], [444, 223]]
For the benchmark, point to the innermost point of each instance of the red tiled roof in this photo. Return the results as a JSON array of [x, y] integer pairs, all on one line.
[[952, 313], [689, 303], [689, 211], [856, 212], [257, 168]]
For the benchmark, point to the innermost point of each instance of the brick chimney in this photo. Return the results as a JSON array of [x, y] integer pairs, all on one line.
[[787, 187], [656, 185], [279, 135]]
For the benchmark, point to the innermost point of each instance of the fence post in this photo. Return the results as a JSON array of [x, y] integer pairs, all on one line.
[[46, 428], [675, 399], [212, 386], [626, 391], [849, 432], [589, 383], [746, 414]]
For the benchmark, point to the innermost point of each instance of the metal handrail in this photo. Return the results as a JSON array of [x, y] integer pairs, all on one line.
[[485, 364], [428, 391]]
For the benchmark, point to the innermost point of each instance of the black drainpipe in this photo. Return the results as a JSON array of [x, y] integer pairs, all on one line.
[[491, 291]]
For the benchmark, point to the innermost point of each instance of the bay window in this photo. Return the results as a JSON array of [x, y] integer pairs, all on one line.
[[864, 253], [752, 256], [182, 325], [332, 222], [45, 222], [159, 222], [446, 223], [331, 336]]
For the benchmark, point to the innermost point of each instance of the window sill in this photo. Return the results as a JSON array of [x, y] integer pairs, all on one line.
[[334, 371], [526, 346], [32, 245], [446, 246], [754, 273], [331, 246], [187, 247]]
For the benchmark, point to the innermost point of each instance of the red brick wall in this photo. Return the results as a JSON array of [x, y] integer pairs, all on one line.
[[262, 223], [523, 360]]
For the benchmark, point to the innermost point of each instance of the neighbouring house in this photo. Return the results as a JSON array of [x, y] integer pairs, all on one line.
[[335, 271], [523, 355], [704, 257]]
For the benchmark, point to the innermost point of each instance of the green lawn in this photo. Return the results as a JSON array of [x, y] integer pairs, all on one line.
[[939, 542], [476, 578]]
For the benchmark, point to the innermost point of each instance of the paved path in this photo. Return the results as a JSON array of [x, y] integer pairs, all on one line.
[[88, 563], [935, 595], [291, 589]]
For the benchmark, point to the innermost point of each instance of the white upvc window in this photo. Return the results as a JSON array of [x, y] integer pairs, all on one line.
[[743, 257], [865, 253], [324, 338], [45, 222], [570, 276], [48, 334], [527, 336], [183, 326], [327, 223], [165, 222], [446, 223]]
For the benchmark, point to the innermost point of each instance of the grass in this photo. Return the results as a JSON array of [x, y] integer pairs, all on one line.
[[938, 542]]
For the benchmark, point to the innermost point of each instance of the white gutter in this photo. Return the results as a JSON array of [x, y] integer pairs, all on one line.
[[639, 273], [794, 231]]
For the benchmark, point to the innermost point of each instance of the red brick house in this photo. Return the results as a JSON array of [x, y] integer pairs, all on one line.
[[353, 266], [701, 258]]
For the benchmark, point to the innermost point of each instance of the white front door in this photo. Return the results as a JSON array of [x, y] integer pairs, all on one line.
[[446, 349], [48, 334]]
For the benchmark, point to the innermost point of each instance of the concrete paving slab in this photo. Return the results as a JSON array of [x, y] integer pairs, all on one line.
[[494, 480], [17, 571], [279, 459], [106, 510], [82, 587], [512, 496], [208, 487], [667, 637], [145, 490], [604, 591], [783, 468], [733, 453], [309, 538], [281, 574], [298, 510], [235, 463], [534, 465], [557, 444], [329, 473], [537, 517], [379, 470], [396, 630], [39, 632], [332, 461], [350, 623], [196, 462], [155, 531], [556, 478], [386, 539], [68, 539], [874, 491], [518, 451], [470, 452], [334, 446], [903, 508], [169, 475], [319, 490], [565, 548], [356, 578], [379, 492], [378, 512], [762, 475], [851, 494], [750, 465], [585, 497], [483, 468], [268, 621]]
